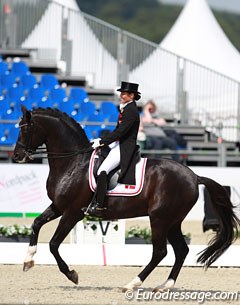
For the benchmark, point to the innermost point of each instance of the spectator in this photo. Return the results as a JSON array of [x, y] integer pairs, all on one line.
[[152, 126]]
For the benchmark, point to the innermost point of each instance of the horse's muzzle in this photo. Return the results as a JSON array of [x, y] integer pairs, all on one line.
[[22, 157]]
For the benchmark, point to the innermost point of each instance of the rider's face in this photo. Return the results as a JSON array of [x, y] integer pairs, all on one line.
[[126, 97]]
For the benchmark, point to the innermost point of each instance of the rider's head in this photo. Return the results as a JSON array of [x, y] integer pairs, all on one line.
[[129, 91]]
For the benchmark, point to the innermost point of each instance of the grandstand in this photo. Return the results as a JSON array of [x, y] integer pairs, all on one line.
[[66, 59]]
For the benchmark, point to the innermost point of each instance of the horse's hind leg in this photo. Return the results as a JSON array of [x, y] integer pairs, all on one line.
[[159, 241], [181, 249], [66, 223], [49, 214]]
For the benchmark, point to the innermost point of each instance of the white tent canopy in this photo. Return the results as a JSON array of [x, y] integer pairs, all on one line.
[[89, 57], [204, 87], [197, 36]]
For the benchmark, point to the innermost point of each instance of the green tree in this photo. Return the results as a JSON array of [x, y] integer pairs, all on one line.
[[151, 19]]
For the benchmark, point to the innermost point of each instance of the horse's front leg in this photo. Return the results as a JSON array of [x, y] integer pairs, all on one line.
[[49, 214], [66, 223]]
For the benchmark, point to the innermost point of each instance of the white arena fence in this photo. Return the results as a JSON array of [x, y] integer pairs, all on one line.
[[110, 254], [105, 55]]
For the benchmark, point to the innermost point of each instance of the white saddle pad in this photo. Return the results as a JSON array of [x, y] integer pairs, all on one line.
[[121, 189]]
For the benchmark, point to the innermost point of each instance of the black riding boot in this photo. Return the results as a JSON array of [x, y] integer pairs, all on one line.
[[97, 205]]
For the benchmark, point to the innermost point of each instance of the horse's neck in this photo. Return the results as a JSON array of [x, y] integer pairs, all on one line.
[[65, 146], [60, 138]]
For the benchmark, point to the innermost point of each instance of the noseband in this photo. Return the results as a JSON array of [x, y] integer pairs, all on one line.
[[29, 151]]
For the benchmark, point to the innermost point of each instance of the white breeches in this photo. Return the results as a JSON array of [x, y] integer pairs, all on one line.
[[112, 160]]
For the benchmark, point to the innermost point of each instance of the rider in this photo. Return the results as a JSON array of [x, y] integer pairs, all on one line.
[[122, 142]]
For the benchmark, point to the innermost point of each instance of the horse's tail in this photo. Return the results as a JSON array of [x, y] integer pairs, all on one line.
[[228, 222]]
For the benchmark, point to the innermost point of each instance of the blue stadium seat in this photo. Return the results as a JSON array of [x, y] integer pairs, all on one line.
[[12, 134], [19, 68], [1, 90], [79, 117], [11, 114], [36, 93], [87, 108], [96, 117], [108, 108], [79, 94], [3, 67], [45, 102], [4, 104], [2, 128], [9, 134], [15, 92], [97, 128], [113, 118], [92, 132], [3, 139], [28, 81], [7, 80], [28, 103], [68, 106], [57, 94], [49, 81]]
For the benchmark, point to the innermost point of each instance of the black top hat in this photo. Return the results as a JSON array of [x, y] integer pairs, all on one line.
[[130, 87]]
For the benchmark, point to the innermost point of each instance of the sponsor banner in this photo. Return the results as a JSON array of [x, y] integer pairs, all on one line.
[[23, 188]]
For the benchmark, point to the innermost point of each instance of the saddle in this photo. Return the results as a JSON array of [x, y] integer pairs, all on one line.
[[114, 188]]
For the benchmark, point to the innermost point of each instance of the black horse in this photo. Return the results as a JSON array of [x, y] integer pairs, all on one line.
[[169, 192]]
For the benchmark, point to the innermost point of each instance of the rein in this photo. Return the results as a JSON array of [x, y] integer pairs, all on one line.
[[55, 155]]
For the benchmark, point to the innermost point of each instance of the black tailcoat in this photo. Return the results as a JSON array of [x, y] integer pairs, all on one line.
[[126, 133]]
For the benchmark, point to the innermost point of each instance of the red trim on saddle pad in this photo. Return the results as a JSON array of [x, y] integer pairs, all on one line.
[[121, 189], [132, 187]]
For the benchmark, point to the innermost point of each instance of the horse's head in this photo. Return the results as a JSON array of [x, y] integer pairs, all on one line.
[[62, 135], [29, 138]]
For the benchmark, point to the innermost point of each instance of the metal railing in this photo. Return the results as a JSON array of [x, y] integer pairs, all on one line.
[[105, 55], [221, 157]]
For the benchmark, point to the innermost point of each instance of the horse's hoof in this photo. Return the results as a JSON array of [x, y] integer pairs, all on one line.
[[28, 265], [159, 289], [125, 289], [135, 283], [73, 276], [165, 286]]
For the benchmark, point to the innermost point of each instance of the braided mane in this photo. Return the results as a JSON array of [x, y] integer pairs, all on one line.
[[65, 118]]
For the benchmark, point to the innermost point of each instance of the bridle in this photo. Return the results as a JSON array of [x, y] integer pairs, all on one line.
[[28, 150], [42, 152]]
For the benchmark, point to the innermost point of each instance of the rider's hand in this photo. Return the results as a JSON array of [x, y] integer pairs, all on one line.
[[96, 143]]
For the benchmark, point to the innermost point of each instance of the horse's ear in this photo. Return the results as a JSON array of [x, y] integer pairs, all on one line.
[[23, 108], [26, 113]]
